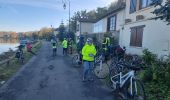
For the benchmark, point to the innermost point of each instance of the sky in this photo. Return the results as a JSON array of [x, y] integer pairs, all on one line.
[[31, 15]]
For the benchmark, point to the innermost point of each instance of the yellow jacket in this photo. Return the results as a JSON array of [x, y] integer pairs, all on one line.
[[87, 50], [65, 44]]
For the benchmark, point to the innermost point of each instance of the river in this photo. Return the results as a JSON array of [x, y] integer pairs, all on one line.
[[6, 44]]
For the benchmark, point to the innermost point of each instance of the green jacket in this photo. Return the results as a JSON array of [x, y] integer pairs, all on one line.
[[87, 50], [65, 44]]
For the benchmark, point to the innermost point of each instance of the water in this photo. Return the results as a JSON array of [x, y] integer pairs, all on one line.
[[6, 44]]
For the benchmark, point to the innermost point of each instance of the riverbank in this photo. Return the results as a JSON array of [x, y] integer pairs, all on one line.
[[7, 70]]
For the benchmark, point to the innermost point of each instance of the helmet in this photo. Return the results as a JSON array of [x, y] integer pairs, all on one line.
[[89, 39]]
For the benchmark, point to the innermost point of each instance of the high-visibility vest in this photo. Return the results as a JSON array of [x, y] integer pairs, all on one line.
[[65, 44]]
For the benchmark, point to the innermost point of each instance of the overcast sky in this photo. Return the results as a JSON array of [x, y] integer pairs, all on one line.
[[30, 15]]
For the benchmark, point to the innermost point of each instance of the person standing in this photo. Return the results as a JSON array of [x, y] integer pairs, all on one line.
[[88, 52], [106, 47], [54, 46], [65, 46], [70, 44], [29, 48], [80, 45]]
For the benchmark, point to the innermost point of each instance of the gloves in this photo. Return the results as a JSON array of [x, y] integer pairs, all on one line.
[[91, 55]]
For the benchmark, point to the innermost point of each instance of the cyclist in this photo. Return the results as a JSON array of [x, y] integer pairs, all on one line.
[[106, 47], [120, 52], [19, 53], [65, 46], [88, 52], [70, 44], [54, 46], [29, 48], [80, 45]]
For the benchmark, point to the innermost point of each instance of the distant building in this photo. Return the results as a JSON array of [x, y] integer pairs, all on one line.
[[84, 26]]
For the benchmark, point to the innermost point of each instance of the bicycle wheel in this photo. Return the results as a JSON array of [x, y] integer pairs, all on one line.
[[101, 71], [75, 61], [136, 90], [116, 68]]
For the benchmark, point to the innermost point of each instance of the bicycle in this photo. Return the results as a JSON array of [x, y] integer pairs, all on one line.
[[128, 84], [101, 69], [20, 56], [76, 62]]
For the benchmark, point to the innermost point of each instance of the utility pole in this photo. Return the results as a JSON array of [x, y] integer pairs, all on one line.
[[64, 6]]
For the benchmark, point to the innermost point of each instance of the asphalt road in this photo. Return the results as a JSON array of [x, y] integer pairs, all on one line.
[[52, 78]]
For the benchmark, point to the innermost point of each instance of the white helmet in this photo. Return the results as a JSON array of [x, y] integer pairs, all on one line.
[[89, 39]]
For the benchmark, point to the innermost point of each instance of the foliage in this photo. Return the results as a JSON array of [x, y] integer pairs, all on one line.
[[156, 77], [62, 33], [10, 34], [148, 57], [163, 10], [45, 32]]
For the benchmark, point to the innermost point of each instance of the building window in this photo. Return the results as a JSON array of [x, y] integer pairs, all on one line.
[[133, 6], [112, 23], [139, 4], [144, 3], [136, 36]]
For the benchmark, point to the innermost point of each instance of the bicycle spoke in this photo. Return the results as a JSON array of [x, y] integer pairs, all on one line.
[[101, 72]]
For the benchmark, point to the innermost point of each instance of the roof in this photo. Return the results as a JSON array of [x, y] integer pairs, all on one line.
[[111, 12], [87, 20]]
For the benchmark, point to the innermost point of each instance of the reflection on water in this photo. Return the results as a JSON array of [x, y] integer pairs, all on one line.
[[5, 44], [11, 41]]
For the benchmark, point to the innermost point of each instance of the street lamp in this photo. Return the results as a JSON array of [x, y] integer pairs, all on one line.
[[64, 6]]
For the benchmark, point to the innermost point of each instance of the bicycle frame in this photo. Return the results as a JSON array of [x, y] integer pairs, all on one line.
[[100, 61], [123, 79]]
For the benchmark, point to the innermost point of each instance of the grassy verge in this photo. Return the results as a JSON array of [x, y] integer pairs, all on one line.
[[8, 70]]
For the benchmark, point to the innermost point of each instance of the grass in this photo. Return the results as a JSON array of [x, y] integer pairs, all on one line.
[[8, 70]]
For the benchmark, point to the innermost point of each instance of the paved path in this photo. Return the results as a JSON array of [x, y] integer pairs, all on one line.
[[47, 78]]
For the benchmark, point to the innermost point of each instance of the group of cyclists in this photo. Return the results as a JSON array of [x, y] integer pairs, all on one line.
[[19, 54], [67, 44], [88, 49]]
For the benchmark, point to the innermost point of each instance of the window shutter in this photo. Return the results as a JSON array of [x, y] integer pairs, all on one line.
[[139, 37], [133, 37], [108, 24]]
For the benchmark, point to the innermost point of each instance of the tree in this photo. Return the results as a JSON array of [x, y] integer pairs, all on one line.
[[163, 10], [61, 29], [45, 32]]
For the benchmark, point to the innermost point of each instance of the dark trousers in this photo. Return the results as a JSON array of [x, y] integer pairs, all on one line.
[[54, 51], [64, 51]]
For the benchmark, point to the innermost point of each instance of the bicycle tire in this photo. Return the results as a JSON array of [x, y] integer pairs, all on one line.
[[115, 68], [22, 59], [101, 73], [138, 94], [75, 62]]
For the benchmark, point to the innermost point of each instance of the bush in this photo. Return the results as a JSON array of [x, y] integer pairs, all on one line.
[[156, 77], [148, 57]]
